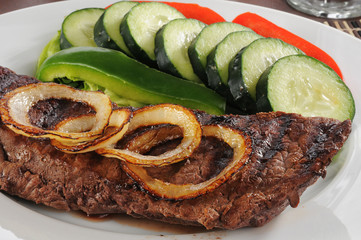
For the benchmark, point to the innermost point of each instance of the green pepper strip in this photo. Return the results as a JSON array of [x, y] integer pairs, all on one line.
[[128, 78]]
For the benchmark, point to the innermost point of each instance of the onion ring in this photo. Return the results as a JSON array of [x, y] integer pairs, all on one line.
[[101, 131], [143, 142], [155, 115], [118, 125], [241, 145], [15, 105]]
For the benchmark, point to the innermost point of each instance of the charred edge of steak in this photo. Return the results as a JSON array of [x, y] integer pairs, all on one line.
[[9, 80], [290, 153]]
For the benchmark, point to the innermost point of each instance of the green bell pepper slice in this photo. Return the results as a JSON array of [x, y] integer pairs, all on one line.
[[128, 78]]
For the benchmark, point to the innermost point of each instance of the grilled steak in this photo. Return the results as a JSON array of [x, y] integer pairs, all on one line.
[[289, 153]]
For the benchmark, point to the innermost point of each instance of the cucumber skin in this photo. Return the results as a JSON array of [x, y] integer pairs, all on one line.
[[263, 104], [196, 63], [101, 37], [218, 86], [214, 80], [161, 55], [63, 42], [238, 90], [221, 88], [123, 75]]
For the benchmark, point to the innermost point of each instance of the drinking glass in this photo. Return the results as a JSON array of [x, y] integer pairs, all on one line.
[[328, 8]]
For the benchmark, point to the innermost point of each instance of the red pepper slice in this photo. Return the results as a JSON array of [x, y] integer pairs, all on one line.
[[192, 10], [266, 28]]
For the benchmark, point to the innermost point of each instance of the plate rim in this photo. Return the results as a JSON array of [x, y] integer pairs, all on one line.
[[355, 133]]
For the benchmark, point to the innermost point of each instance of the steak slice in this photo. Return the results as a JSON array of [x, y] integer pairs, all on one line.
[[289, 153]]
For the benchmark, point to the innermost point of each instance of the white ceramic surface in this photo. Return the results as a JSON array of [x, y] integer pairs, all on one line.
[[328, 210]]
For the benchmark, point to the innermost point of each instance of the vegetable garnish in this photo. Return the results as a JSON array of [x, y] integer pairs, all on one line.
[[172, 42], [128, 78], [267, 28], [140, 25], [77, 28], [224, 71], [106, 29], [195, 11], [241, 146], [320, 91], [192, 10], [156, 115], [15, 105], [206, 41], [249, 64]]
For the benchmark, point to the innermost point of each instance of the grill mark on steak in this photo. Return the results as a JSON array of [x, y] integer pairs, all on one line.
[[290, 152], [194, 170]]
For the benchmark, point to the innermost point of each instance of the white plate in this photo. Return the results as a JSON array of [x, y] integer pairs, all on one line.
[[328, 210]]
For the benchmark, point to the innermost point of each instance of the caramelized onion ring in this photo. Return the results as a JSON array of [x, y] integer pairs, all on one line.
[[241, 146], [15, 105], [145, 141], [101, 132], [155, 115], [118, 125]]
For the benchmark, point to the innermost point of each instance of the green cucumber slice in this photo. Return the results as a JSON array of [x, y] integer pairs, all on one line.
[[248, 65], [218, 60], [206, 40], [171, 47], [107, 29], [140, 26], [78, 28], [304, 85]]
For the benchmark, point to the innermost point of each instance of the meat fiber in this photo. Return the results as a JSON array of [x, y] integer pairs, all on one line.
[[289, 153]]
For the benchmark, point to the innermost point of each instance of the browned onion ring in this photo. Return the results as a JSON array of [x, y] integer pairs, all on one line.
[[101, 131], [145, 141], [118, 125], [241, 145], [15, 105], [161, 114]]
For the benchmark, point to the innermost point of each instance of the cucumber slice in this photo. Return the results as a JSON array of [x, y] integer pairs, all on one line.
[[171, 47], [248, 65], [140, 26], [208, 38], [78, 28], [304, 85], [218, 60], [106, 30]]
